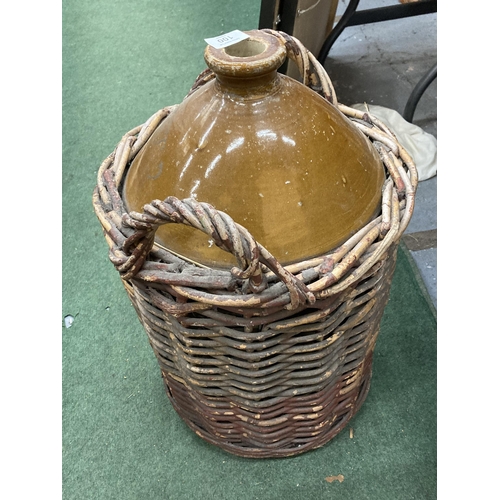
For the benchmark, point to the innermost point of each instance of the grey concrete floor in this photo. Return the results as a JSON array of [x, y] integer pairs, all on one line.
[[380, 63]]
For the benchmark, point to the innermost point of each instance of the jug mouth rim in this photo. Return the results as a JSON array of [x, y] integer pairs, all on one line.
[[260, 53]]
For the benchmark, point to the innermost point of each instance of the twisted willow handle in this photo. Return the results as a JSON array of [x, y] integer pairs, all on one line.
[[226, 234], [313, 73]]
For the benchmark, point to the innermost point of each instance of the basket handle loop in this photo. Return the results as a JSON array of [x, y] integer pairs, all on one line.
[[312, 72], [226, 234]]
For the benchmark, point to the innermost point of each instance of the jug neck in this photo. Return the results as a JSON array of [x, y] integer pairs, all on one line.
[[248, 88], [248, 69]]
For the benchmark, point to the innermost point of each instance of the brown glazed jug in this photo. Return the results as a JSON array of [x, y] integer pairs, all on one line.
[[267, 150]]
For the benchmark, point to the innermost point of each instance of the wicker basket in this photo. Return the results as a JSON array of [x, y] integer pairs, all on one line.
[[262, 360]]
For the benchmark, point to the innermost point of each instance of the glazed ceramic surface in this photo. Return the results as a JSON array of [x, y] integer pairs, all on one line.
[[267, 150]]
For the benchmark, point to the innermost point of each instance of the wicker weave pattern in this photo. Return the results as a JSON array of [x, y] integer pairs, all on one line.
[[262, 360], [288, 387]]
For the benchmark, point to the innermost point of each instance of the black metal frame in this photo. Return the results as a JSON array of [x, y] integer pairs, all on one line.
[[352, 17], [279, 15]]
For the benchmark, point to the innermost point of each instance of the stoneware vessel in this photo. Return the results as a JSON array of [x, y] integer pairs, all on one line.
[[229, 219], [267, 150]]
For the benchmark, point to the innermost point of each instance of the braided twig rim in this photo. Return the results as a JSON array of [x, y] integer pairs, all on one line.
[[130, 236]]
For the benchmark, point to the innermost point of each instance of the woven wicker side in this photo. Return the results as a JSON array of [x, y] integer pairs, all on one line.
[[282, 389], [261, 360]]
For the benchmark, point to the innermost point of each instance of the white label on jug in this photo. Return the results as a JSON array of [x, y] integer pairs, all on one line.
[[221, 41]]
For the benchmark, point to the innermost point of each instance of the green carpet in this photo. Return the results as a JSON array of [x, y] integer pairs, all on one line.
[[122, 61]]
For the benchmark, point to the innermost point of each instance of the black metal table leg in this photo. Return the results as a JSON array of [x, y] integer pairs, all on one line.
[[417, 93], [337, 30]]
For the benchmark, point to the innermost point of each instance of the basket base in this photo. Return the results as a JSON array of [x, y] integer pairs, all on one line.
[[288, 427]]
